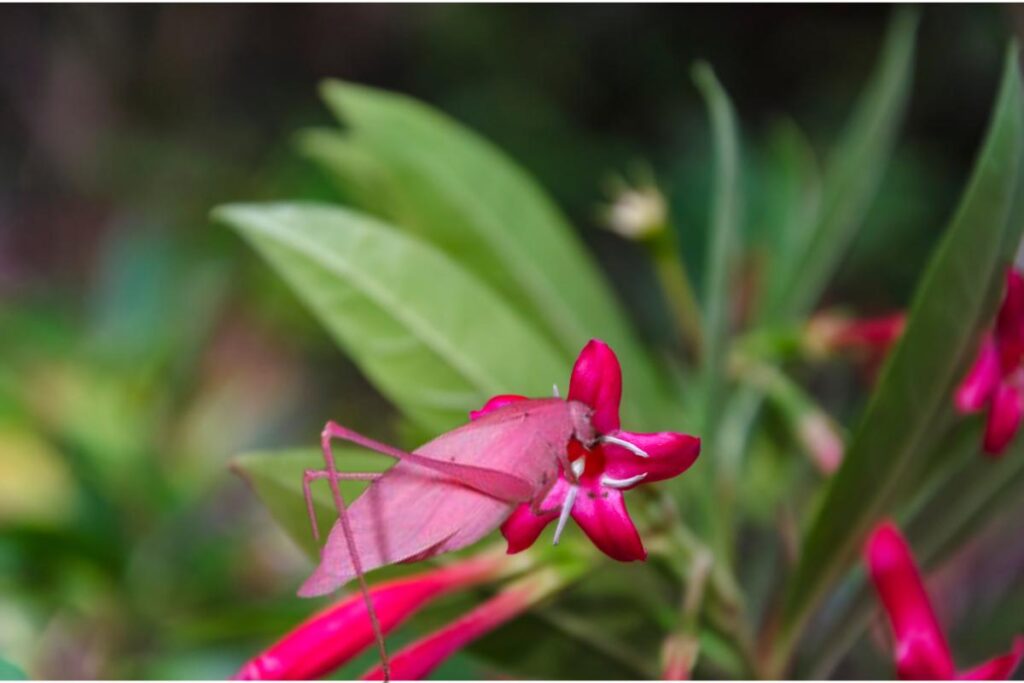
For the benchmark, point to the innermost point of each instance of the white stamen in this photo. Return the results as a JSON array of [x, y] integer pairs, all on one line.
[[570, 500], [621, 483], [632, 448], [554, 387]]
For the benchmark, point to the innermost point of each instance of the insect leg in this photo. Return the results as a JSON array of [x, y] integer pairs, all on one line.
[[309, 476], [357, 565]]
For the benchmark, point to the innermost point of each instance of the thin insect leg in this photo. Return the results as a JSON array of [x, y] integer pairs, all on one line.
[[309, 476], [357, 564], [535, 504]]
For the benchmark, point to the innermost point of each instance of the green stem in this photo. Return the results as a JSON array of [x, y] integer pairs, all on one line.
[[676, 288]]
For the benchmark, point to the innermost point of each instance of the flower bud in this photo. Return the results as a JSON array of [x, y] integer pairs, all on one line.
[[332, 637]]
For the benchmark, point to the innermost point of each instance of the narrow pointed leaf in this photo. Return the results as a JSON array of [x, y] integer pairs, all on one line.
[[855, 170], [724, 243]]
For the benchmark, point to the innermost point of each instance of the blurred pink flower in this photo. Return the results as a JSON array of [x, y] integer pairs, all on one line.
[[871, 338], [996, 380], [332, 637], [617, 461], [419, 659], [922, 652]]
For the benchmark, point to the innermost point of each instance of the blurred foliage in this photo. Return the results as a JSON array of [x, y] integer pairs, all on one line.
[[140, 347]]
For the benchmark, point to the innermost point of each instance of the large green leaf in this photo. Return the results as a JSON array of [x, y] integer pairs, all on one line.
[[456, 190], [430, 336], [855, 171], [276, 478], [956, 295]]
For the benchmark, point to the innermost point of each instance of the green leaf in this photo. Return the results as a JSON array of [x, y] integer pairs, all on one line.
[[11, 672], [724, 243], [791, 198], [431, 337], [276, 478], [361, 178], [953, 301], [855, 170], [456, 190]]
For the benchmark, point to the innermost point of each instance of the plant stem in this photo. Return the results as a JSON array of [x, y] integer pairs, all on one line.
[[676, 288]]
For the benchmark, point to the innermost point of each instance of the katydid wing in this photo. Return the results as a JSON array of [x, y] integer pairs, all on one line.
[[450, 492]]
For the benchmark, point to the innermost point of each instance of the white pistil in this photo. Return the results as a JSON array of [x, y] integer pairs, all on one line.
[[577, 466], [632, 448], [621, 483], [570, 500]]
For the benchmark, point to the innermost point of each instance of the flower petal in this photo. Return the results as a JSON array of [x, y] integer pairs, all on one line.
[[670, 453], [921, 648], [1003, 419], [523, 527], [418, 660], [920, 658], [494, 403], [1010, 323], [999, 668], [334, 636], [981, 381], [602, 514], [597, 381]]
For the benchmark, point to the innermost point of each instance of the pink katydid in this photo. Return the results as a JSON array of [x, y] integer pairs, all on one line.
[[457, 488]]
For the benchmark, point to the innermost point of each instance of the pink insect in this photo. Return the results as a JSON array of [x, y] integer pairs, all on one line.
[[456, 489]]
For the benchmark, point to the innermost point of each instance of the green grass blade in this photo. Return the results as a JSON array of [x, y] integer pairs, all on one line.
[[724, 242]]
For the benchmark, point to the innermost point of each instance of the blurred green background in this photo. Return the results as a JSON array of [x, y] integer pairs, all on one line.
[[140, 346]]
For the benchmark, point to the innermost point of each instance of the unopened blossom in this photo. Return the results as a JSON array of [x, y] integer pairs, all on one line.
[[637, 212], [678, 657], [617, 461], [872, 338], [334, 636], [421, 658], [921, 649], [821, 439], [996, 380]]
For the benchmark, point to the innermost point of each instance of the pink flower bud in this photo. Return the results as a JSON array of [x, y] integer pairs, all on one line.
[[422, 657], [678, 657], [821, 440], [332, 637], [921, 649]]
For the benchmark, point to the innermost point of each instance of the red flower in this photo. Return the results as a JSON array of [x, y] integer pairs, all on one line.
[[329, 639], [419, 659], [870, 338], [615, 462], [922, 652], [996, 380]]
